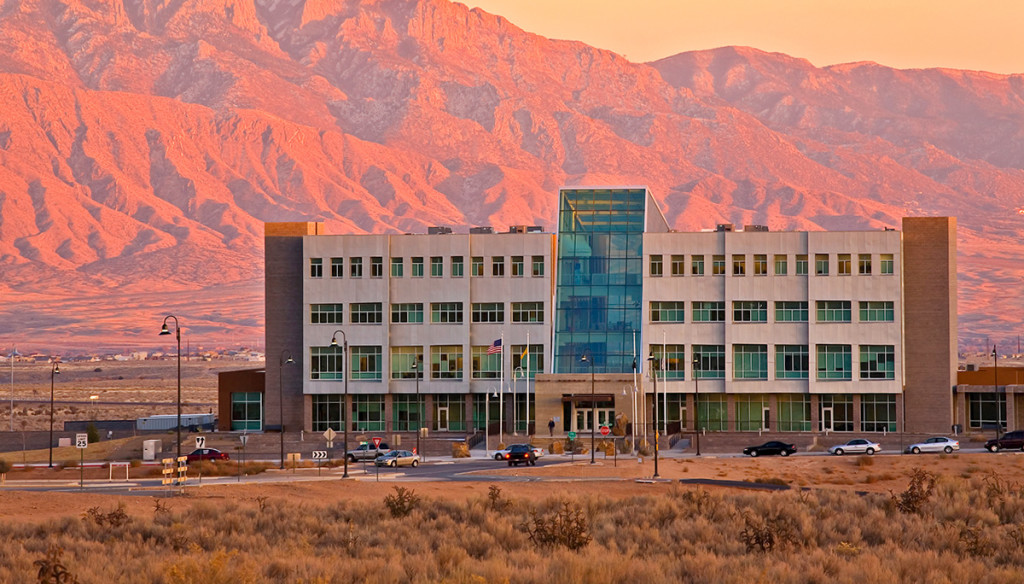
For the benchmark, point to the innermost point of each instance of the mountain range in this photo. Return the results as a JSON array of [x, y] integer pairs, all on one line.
[[143, 144]]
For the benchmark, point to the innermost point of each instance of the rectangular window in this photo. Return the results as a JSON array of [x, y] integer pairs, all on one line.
[[417, 267], [792, 362], [708, 311], [337, 267], [750, 311], [316, 267], [534, 360], [801, 265], [697, 265], [793, 413], [406, 412], [986, 410], [517, 267], [366, 363], [842, 412], [710, 361], [498, 266], [327, 412], [455, 405], [750, 361], [477, 266], [834, 362], [750, 412], [760, 264], [656, 267], [877, 413], [528, 312], [821, 264], [376, 267], [365, 313], [485, 366], [368, 413], [397, 267], [877, 362], [446, 362], [326, 314], [446, 312], [355, 267], [407, 313], [457, 266], [844, 267], [406, 362], [833, 310], [671, 361], [326, 363], [739, 265], [887, 263], [877, 311], [488, 312], [668, 311], [781, 265], [790, 311], [712, 413], [436, 267], [538, 266], [678, 265], [718, 265], [864, 264]]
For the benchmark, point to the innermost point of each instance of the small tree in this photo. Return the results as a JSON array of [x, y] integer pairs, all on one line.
[[92, 433], [5, 467]]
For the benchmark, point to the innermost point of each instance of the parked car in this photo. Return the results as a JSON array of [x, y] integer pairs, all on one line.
[[855, 446], [207, 454], [936, 444], [503, 454], [521, 453], [367, 451], [396, 458], [772, 447], [1009, 441]]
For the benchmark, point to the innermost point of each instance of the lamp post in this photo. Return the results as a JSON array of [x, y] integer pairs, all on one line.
[[995, 372], [54, 370], [14, 353], [499, 394], [177, 335], [655, 365], [515, 404], [696, 401], [348, 410], [280, 401], [419, 412], [593, 406]]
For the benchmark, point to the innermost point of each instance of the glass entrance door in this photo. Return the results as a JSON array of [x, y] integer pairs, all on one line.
[[442, 419]]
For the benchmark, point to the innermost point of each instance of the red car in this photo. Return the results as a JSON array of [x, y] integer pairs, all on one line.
[[207, 454]]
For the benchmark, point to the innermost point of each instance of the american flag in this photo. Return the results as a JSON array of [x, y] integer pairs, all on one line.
[[495, 347]]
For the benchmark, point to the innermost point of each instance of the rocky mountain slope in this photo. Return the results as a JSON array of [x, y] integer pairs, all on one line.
[[143, 143]]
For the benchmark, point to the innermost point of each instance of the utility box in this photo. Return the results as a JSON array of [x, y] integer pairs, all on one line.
[[150, 449]]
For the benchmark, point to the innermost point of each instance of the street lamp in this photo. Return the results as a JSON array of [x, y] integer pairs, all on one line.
[[515, 403], [346, 408], [696, 401], [54, 370], [177, 334], [14, 353], [655, 366], [593, 406], [419, 412], [280, 401]]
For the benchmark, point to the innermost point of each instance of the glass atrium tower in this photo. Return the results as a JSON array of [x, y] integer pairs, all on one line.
[[599, 289]]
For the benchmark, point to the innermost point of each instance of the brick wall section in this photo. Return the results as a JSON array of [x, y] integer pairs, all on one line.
[[284, 269], [930, 322]]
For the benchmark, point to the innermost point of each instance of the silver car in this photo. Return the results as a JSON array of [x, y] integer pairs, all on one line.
[[855, 446], [398, 458], [936, 444]]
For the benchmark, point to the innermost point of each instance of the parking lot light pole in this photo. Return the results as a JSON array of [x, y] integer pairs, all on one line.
[[280, 402], [54, 370], [655, 365], [345, 407], [177, 335], [593, 406], [696, 402], [419, 410]]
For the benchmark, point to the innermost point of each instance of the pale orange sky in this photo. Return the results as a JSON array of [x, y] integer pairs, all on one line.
[[985, 35]]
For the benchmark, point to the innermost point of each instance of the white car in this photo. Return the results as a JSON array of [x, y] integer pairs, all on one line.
[[503, 454], [936, 444], [855, 446]]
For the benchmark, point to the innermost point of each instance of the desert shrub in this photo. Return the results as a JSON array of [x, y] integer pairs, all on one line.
[[496, 501], [566, 527], [922, 484], [763, 534], [402, 502], [557, 447], [864, 461], [116, 518], [52, 569], [5, 466]]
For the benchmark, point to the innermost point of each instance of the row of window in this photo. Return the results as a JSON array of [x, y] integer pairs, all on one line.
[[456, 266], [412, 313], [673, 311], [792, 412], [446, 362], [750, 361], [408, 412], [759, 266]]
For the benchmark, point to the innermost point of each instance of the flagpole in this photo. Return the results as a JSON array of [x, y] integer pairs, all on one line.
[[527, 369], [501, 392]]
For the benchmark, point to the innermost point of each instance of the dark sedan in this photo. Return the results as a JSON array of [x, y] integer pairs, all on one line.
[[207, 454], [521, 453], [773, 447]]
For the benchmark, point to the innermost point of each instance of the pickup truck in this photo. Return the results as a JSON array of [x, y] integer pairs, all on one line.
[[367, 451]]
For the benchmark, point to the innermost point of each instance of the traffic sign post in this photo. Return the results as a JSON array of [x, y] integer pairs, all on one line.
[[81, 443], [376, 442], [200, 441], [319, 456], [572, 446], [605, 430]]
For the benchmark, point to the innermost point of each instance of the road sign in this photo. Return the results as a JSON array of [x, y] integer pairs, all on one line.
[[376, 441], [605, 430], [329, 434], [330, 444], [244, 438], [572, 435], [319, 455], [81, 440], [200, 441]]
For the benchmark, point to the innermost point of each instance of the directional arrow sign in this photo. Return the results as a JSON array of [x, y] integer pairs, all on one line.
[[329, 434], [319, 455], [200, 441]]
